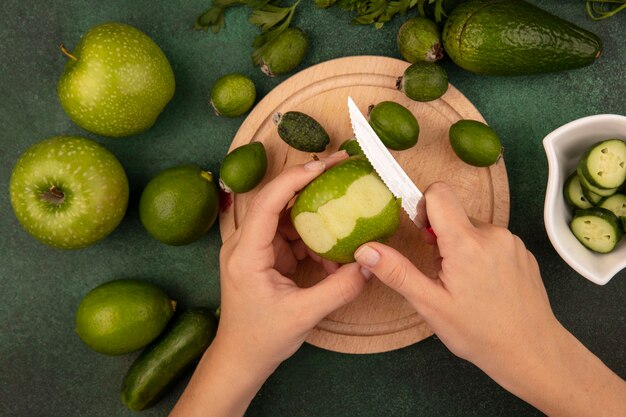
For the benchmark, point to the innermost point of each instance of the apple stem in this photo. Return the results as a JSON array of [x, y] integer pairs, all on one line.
[[53, 195], [67, 52]]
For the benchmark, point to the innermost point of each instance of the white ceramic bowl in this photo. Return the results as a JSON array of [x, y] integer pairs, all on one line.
[[563, 147]]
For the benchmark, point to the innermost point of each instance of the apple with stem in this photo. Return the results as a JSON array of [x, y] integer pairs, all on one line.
[[68, 191], [116, 81]]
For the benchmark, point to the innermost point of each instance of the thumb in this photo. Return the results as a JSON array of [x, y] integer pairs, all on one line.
[[396, 271], [334, 291]]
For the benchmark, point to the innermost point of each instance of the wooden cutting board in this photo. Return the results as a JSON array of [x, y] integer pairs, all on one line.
[[379, 319]]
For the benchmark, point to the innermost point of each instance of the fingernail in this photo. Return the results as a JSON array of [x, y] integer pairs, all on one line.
[[342, 152], [367, 256], [367, 274], [314, 166]]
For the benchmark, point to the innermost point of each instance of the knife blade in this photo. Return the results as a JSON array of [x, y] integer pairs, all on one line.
[[386, 166]]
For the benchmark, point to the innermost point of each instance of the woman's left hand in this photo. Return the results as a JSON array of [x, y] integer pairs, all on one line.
[[265, 316]]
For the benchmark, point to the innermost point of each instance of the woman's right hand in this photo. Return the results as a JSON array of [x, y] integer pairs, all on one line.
[[488, 305]]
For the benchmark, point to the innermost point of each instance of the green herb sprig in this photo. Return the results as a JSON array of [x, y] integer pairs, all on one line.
[[268, 15], [379, 12], [602, 9]]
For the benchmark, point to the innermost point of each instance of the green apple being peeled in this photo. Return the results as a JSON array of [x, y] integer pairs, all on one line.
[[343, 208], [68, 191], [117, 81]]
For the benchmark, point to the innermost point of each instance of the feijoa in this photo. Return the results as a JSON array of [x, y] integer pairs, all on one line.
[[423, 81], [475, 143], [419, 39], [301, 131], [395, 125], [232, 95], [283, 53], [243, 168], [352, 147]]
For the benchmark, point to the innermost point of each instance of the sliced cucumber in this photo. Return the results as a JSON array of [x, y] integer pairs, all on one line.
[[604, 192], [592, 197], [604, 164], [597, 229], [573, 192], [617, 204]]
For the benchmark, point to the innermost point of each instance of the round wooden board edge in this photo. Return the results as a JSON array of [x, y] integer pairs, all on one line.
[[365, 65]]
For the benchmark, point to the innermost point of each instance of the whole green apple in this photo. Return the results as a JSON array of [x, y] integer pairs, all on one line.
[[68, 191], [116, 82]]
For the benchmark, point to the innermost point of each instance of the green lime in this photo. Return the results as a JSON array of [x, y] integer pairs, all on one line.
[[419, 39], [475, 143], [233, 95], [395, 125], [423, 81], [352, 147], [122, 316], [243, 168], [179, 205]]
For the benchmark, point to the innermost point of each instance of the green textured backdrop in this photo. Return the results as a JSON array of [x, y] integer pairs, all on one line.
[[45, 370]]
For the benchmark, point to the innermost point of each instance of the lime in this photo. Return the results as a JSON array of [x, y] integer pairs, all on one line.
[[243, 168], [179, 205], [395, 125], [343, 208], [475, 143], [233, 95], [352, 147], [122, 316], [423, 81], [419, 40]]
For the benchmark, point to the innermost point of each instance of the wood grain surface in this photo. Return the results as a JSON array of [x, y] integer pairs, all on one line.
[[379, 319]]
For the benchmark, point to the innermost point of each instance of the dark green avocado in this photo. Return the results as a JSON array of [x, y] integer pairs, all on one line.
[[513, 37]]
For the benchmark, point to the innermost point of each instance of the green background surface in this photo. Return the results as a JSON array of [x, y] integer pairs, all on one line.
[[45, 370]]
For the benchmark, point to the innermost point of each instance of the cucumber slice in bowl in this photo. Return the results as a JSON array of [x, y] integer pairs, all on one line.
[[604, 164], [592, 197], [597, 229], [574, 193], [617, 204]]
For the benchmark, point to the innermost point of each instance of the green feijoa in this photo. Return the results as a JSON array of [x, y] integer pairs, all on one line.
[[343, 208], [243, 168], [475, 143], [395, 125], [423, 81], [301, 131], [164, 361], [419, 39], [283, 53], [232, 95], [352, 147]]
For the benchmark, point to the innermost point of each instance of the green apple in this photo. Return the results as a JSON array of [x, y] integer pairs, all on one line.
[[68, 191], [343, 208], [117, 81]]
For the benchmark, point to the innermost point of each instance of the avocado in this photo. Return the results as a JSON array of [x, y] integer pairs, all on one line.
[[301, 131], [513, 37]]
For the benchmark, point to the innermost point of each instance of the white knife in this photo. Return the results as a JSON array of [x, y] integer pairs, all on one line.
[[388, 168]]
